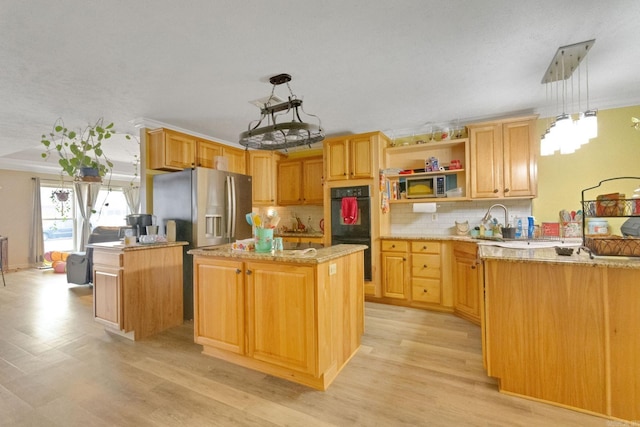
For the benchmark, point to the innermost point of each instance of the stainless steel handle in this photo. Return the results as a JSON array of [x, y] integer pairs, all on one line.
[[234, 207], [228, 218]]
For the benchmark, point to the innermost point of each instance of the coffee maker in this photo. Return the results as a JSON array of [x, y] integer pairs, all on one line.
[[139, 223]]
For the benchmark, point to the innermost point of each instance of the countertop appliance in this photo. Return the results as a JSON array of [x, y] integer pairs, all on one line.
[[139, 222], [209, 208], [358, 233]]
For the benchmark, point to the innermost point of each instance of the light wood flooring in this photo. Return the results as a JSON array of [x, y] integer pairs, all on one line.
[[415, 368]]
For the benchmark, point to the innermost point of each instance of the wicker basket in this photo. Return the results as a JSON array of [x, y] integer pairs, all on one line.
[[613, 245]]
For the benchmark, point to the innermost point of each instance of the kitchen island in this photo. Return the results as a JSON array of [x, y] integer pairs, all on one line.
[[292, 314], [564, 329], [137, 289]]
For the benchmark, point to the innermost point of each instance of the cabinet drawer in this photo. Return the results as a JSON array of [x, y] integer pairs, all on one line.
[[425, 266], [394, 246], [425, 247], [426, 290], [112, 259]]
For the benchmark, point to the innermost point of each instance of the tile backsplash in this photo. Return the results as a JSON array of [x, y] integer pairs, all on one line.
[[405, 222], [442, 223]]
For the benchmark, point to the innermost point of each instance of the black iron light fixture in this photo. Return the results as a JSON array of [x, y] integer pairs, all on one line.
[[280, 133]]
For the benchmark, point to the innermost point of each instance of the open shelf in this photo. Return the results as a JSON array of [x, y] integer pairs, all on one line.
[[407, 175]]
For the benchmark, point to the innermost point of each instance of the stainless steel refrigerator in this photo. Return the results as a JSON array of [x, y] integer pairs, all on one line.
[[209, 208]]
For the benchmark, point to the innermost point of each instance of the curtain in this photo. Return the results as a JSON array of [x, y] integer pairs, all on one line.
[[132, 196], [86, 194], [36, 242]]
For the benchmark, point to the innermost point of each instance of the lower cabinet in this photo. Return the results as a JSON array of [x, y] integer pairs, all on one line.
[[468, 288], [415, 273], [137, 292], [295, 321], [426, 274], [395, 269]]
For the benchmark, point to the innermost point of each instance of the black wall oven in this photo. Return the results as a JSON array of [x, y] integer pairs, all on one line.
[[358, 233]]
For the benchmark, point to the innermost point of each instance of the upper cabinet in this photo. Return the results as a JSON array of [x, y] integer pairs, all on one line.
[[171, 151], [300, 181], [352, 157], [262, 166], [504, 158]]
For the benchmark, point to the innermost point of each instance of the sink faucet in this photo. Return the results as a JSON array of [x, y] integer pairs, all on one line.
[[487, 216]]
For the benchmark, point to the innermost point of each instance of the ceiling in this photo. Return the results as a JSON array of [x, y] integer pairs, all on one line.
[[359, 65]]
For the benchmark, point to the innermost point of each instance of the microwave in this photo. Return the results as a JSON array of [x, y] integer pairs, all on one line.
[[419, 187]]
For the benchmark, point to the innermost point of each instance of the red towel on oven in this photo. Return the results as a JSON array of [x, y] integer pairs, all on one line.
[[349, 210]]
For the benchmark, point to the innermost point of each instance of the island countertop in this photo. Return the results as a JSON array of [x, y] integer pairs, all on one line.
[[315, 256], [119, 245]]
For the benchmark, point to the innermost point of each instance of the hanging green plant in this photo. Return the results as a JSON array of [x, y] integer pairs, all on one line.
[[82, 150], [61, 202]]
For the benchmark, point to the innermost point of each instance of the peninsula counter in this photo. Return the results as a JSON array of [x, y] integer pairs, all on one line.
[[564, 329]]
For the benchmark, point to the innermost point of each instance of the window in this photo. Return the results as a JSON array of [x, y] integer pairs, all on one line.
[[59, 217]]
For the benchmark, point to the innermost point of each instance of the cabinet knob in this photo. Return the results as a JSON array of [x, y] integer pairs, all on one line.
[[495, 190], [473, 267], [393, 246], [238, 271], [404, 259], [506, 190], [424, 265], [248, 272], [424, 291], [424, 248]]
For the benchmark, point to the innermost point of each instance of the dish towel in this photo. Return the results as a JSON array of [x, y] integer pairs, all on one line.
[[349, 210]]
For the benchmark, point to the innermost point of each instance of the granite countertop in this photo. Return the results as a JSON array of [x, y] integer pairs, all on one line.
[[549, 255], [293, 234], [316, 256], [489, 249], [119, 245]]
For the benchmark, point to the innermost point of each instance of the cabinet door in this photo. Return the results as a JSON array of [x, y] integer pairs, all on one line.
[[486, 161], [180, 150], [219, 304], [337, 159], [281, 327], [290, 183], [206, 152], [394, 275], [520, 158], [467, 283], [262, 169], [361, 163], [236, 158], [312, 177], [107, 296]]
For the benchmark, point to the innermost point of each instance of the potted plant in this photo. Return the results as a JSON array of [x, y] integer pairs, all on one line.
[[60, 199], [80, 153]]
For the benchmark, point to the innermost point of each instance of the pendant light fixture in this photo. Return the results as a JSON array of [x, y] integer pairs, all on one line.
[[284, 127], [565, 134]]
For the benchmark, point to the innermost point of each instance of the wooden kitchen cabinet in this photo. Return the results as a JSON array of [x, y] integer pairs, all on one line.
[[395, 269], [426, 272], [263, 167], [221, 289], [468, 288], [301, 322], [173, 151], [170, 150], [137, 291], [352, 157], [300, 181], [504, 158], [276, 334]]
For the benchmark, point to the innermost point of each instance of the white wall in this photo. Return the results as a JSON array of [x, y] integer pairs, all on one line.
[[16, 211]]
